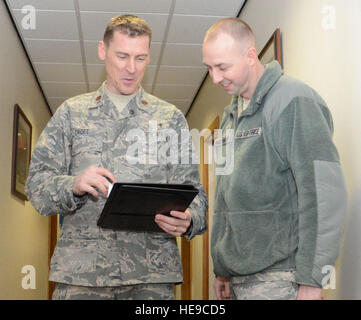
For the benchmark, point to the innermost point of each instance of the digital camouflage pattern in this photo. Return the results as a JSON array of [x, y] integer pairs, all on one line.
[[148, 291], [266, 285], [88, 130]]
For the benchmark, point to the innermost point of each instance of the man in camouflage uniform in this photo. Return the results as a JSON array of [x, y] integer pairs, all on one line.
[[85, 145]]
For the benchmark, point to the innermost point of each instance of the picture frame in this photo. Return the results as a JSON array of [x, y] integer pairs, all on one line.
[[272, 49], [22, 134]]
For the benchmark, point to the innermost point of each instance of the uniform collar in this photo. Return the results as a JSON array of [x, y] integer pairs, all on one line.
[[101, 101], [270, 76]]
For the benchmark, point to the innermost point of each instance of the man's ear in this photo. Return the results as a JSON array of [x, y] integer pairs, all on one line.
[[252, 55], [101, 50]]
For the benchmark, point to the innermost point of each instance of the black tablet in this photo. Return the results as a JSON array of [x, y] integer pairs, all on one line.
[[133, 206]]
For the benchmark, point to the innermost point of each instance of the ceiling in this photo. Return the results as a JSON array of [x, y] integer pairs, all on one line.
[[62, 46]]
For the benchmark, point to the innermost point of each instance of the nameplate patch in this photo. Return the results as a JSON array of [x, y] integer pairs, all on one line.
[[81, 131], [255, 132]]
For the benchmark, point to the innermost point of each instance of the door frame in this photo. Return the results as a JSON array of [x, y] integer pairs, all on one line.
[[53, 238], [205, 181]]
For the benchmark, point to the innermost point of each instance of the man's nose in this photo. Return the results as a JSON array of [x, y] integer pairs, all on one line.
[[131, 66], [216, 77]]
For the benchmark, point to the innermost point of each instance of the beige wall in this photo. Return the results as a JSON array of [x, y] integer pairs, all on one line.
[[324, 53], [209, 103], [23, 232]]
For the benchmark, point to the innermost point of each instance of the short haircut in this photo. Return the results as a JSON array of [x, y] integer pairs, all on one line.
[[236, 28], [128, 24]]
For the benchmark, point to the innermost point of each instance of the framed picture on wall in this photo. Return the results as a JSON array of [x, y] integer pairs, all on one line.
[[272, 49], [21, 153]]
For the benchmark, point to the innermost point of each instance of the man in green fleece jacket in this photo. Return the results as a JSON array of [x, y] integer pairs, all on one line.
[[279, 212]]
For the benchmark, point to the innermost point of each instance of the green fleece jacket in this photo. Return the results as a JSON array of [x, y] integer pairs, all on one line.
[[282, 205]]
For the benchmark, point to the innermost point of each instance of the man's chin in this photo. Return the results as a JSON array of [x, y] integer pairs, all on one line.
[[229, 89], [126, 90]]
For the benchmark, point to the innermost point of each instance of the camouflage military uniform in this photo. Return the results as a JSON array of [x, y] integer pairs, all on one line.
[[146, 291], [88, 130], [265, 285]]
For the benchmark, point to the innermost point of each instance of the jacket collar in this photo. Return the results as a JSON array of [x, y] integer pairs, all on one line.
[[271, 74]]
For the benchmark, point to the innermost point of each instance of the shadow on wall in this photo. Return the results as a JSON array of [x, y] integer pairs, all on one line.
[[349, 279]]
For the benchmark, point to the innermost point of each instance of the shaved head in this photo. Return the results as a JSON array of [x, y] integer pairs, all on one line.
[[238, 29], [230, 55]]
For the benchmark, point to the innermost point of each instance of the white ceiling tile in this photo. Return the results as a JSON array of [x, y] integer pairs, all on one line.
[[63, 51], [149, 75], [182, 55], [55, 103], [147, 87], [175, 92], [129, 6], [93, 86], [42, 5], [181, 75], [154, 52], [63, 89], [97, 74], [54, 47], [181, 104], [94, 24], [209, 7], [91, 52], [184, 108], [50, 25], [59, 72], [189, 29]]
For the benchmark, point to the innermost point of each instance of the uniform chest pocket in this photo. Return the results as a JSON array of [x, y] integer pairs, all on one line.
[[86, 151]]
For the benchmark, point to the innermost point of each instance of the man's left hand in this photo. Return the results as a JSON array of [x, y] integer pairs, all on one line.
[[175, 225], [309, 293]]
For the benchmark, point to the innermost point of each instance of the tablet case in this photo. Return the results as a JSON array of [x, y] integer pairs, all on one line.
[[133, 206]]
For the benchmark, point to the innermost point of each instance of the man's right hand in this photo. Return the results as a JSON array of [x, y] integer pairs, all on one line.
[[222, 288], [91, 179]]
